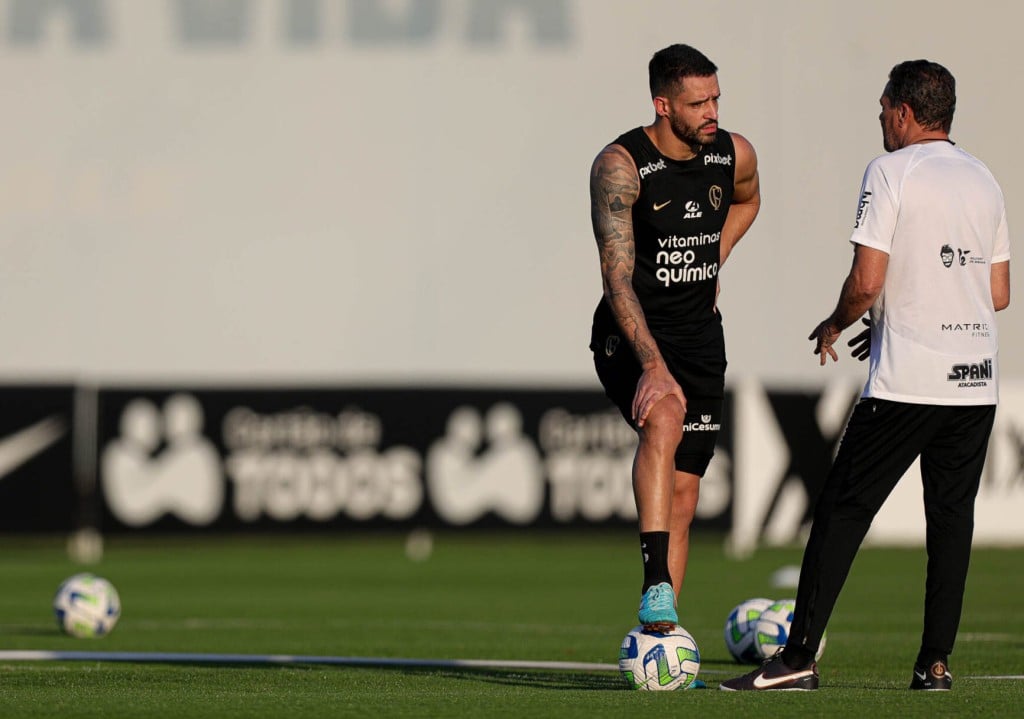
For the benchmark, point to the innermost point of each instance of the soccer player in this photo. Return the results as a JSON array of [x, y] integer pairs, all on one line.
[[932, 262], [669, 201]]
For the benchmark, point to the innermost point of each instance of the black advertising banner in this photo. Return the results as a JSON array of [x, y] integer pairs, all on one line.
[[37, 492], [238, 459]]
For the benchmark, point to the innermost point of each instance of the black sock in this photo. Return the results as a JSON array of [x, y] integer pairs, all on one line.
[[797, 657], [654, 547], [928, 656]]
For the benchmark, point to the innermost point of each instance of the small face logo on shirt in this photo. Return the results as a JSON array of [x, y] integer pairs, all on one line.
[[946, 253]]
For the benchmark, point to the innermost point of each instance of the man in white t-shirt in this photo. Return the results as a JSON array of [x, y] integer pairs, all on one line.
[[932, 264]]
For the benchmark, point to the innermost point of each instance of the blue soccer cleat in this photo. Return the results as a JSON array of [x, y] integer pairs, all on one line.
[[658, 608]]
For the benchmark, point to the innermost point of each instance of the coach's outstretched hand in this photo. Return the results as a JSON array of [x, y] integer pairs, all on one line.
[[824, 336]]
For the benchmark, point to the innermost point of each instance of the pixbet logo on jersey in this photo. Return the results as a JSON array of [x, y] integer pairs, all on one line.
[[651, 167], [715, 159]]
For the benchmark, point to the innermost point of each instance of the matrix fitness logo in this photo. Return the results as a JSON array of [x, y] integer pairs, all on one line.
[[974, 329]]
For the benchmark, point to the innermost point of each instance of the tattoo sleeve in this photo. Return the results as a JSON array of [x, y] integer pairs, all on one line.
[[614, 187]]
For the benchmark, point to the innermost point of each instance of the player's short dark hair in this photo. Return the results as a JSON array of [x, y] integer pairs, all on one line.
[[928, 88], [671, 65]]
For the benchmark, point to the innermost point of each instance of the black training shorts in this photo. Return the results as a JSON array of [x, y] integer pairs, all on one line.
[[698, 367]]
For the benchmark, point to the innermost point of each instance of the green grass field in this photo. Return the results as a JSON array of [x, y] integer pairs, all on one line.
[[540, 597]]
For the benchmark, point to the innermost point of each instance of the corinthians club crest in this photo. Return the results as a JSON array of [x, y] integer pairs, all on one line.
[[715, 196]]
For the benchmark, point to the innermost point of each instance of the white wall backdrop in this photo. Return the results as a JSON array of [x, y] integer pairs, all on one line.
[[378, 190]]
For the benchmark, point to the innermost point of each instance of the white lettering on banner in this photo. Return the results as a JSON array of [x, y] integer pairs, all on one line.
[[594, 485], [314, 465], [589, 461], [560, 429], [319, 484], [301, 429]]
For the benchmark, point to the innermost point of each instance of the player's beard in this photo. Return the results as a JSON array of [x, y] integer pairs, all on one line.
[[692, 136]]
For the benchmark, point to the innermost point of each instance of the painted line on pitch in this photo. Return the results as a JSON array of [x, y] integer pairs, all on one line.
[[51, 656], [30, 655]]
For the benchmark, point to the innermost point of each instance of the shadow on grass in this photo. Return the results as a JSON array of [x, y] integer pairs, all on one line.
[[547, 679], [543, 678], [22, 630]]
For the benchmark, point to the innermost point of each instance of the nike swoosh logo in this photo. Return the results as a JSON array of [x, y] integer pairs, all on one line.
[[23, 445], [761, 683], [920, 675], [663, 204]]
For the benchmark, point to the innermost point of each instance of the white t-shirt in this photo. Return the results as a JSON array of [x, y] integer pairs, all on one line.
[[939, 214]]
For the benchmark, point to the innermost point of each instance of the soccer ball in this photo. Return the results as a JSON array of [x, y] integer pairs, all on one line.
[[86, 606], [739, 629], [771, 630], [653, 661]]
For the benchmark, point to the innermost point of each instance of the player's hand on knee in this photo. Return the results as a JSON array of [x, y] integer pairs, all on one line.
[[655, 384]]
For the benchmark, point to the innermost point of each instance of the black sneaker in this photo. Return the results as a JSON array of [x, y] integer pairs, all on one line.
[[932, 679], [774, 675]]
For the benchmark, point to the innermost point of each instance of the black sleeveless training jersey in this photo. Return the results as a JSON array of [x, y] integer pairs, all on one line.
[[677, 227]]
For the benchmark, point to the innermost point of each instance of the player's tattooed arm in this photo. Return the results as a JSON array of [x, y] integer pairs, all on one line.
[[614, 187]]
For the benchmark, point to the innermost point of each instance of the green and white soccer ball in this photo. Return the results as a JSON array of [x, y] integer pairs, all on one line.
[[739, 629], [653, 661], [86, 606], [771, 630]]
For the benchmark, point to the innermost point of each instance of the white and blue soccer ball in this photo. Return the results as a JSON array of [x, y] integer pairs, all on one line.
[[655, 661], [740, 629], [771, 630], [86, 606]]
